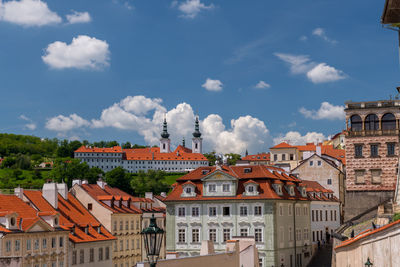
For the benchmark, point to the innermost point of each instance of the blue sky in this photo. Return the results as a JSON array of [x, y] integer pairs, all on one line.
[[256, 72]]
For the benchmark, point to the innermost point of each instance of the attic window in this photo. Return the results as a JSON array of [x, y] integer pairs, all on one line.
[[247, 170], [204, 172], [55, 221], [99, 229], [279, 189], [12, 221], [89, 206], [188, 190], [250, 189], [291, 191]]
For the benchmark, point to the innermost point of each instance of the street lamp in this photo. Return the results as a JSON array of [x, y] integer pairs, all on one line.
[[152, 237], [368, 263]]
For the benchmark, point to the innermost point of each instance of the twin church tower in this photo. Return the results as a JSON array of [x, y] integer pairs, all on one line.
[[197, 141]]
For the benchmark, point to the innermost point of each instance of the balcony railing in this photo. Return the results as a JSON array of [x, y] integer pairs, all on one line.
[[373, 132]]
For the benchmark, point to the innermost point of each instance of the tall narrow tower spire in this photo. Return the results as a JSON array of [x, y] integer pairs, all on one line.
[[165, 142], [197, 140]]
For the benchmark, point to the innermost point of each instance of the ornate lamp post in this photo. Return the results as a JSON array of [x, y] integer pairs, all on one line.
[[368, 263], [152, 237]]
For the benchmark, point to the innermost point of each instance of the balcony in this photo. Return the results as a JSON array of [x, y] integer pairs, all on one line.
[[373, 132]]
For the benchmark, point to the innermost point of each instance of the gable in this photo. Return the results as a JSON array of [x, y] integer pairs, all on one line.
[[39, 226], [218, 176]]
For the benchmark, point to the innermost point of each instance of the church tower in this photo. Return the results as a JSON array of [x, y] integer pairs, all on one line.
[[197, 140], [165, 142]]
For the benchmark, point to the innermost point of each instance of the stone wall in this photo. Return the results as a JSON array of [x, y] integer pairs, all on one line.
[[360, 201]]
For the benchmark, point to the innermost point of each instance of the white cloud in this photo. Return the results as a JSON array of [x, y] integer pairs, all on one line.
[[28, 13], [320, 32], [315, 72], [326, 111], [62, 123], [84, 52], [323, 73], [30, 125], [212, 85], [262, 85], [191, 8], [295, 138], [245, 132], [78, 17]]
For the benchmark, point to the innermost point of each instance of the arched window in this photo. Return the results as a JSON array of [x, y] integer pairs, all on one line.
[[388, 122], [356, 123], [371, 122]]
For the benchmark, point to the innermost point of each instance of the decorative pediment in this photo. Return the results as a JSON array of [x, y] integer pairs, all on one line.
[[212, 224], [194, 224], [227, 224], [182, 224], [219, 176], [244, 223], [39, 226]]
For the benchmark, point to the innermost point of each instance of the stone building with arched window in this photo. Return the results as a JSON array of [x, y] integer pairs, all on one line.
[[372, 151]]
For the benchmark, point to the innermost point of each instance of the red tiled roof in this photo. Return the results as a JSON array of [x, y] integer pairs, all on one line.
[[313, 186], [115, 149], [73, 215], [366, 233], [283, 145], [258, 157], [12, 204], [262, 175]]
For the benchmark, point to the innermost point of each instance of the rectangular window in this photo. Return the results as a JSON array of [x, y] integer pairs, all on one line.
[[390, 149], [195, 236], [358, 151], [283, 157], [258, 234], [359, 176], [17, 245], [320, 215], [213, 235], [326, 215], [8, 245], [226, 211], [312, 215], [81, 256], [280, 210], [290, 209], [226, 187], [244, 232], [243, 211], [138, 243], [226, 234], [53, 242], [311, 163], [121, 225], [305, 234], [291, 156], [298, 211], [329, 181], [313, 236], [331, 215], [126, 225], [290, 233], [181, 212], [61, 242], [374, 150], [28, 244], [298, 234], [195, 211], [91, 255], [257, 211], [212, 188], [44, 243], [36, 244], [335, 215], [376, 176], [319, 163], [127, 244], [121, 245], [316, 215], [100, 254], [108, 252], [115, 226], [74, 257], [275, 157], [181, 236], [212, 211], [89, 206]]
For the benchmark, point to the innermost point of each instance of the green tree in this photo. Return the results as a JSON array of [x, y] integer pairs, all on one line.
[[150, 181], [67, 169], [233, 158], [93, 175], [119, 178], [8, 162], [127, 145], [23, 162], [211, 156]]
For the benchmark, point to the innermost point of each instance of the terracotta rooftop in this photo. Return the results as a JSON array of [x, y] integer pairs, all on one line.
[[258, 157], [283, 145], [73, 215], [86, 149]]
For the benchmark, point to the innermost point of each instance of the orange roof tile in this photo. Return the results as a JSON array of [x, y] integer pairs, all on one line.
[[283, 145], [258, 157], [115, 149], [73, 214]]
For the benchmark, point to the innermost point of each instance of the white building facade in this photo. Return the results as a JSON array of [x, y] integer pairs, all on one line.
[[155, 158]]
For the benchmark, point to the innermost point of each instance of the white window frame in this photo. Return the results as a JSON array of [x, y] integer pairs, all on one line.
[[245, 229], [198, 235], [178, 209], [198, 211], [216, 211], [261, 209], [179, 235], [216, 234], [214, 188], [261, 235], [228, 188], [245, 208]]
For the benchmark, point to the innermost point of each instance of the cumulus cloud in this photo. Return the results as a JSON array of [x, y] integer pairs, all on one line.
[[245, 132], [84, 52], [78, 17], [320, 32], [28, 13], [212, 85], [323, 73], [326, 111], [295, 138], [191, 8], [262, 85], [62, 123], [30, 124], [315, 72]]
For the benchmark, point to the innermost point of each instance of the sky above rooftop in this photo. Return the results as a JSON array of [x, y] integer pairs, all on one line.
[[256, 72]]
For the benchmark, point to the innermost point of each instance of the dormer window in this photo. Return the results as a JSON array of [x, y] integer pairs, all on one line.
[[188, 190], [250, 189], [56, 221], [204, 172], [247, 170], [226, 187], [291, 191], [212, 188]]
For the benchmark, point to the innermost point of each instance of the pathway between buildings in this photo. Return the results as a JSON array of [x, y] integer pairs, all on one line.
[[323, 257]]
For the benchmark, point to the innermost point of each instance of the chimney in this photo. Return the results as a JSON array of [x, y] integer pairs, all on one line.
[[318, 150], [148, 195], [19, 192], [50, 193], [101, 183], [63, 190], [163, 194], [85, 182], [76, 181]]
